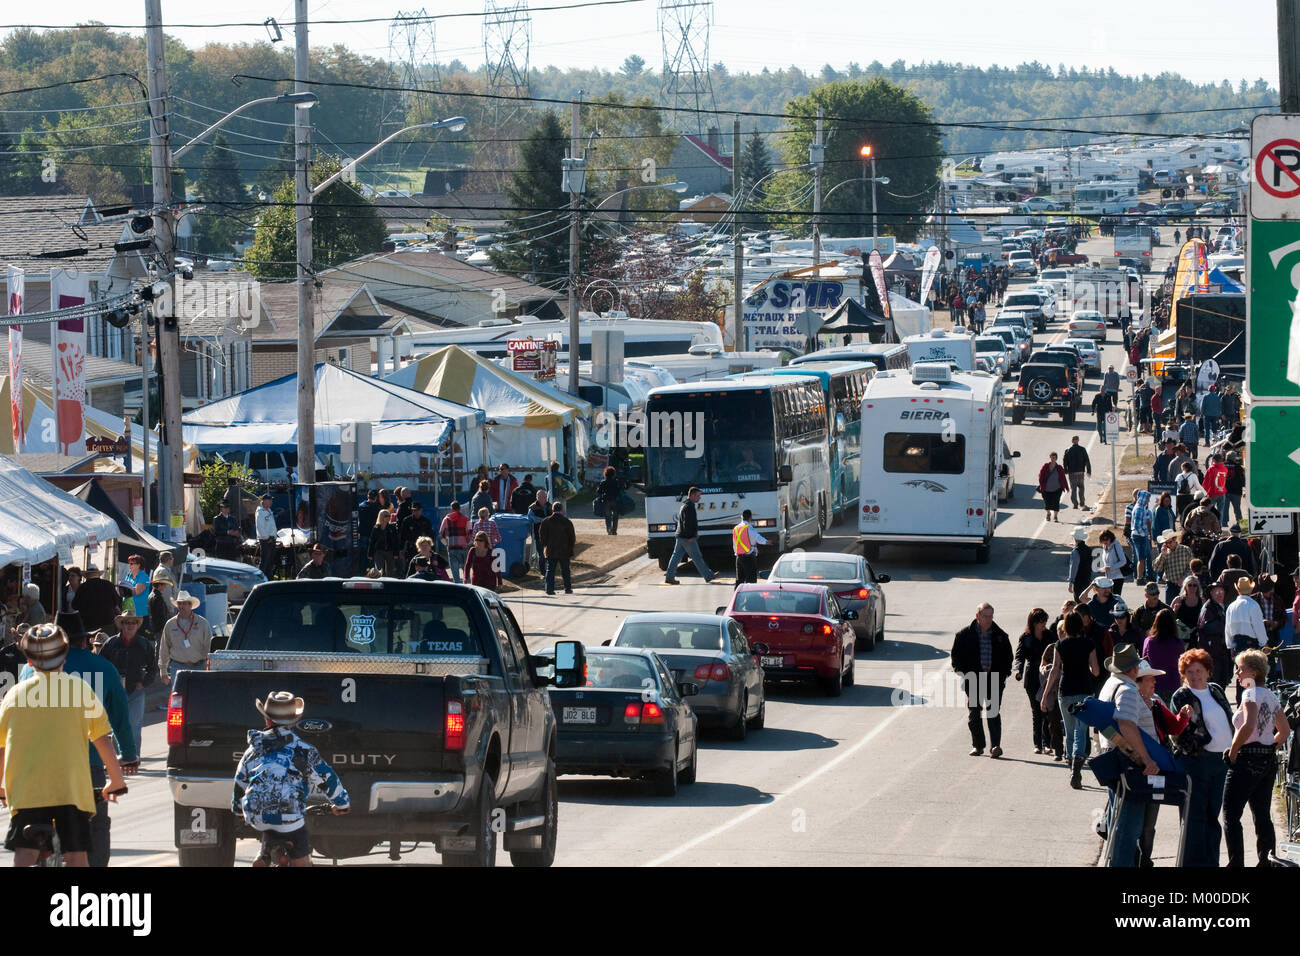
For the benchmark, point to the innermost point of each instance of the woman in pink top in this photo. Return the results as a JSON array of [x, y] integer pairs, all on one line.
[[1260, 726]]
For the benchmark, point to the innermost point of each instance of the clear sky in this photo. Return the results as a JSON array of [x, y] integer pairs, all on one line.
[[1204, 40]]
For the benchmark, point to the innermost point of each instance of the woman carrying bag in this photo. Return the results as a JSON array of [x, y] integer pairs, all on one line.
[[1051, 484]]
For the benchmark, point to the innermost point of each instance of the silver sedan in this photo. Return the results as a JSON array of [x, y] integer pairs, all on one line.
[[856, 587]]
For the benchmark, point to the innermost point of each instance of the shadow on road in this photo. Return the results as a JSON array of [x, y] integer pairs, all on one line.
[[771, 739], [634, 793]]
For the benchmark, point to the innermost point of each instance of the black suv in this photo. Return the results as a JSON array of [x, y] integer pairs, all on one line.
[[1045, 388], [1068, 358]]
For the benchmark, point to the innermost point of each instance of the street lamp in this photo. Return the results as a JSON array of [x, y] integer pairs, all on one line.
[[677, 187], [303, 196], [302, 101], [866, 153]]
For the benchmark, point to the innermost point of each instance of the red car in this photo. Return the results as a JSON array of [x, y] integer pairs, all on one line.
[[1059, 257], [799, 632]]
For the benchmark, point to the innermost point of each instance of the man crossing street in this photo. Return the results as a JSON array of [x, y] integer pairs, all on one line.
[[1077, 464], [745, 541]]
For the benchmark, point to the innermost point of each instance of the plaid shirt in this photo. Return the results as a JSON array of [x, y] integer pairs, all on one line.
[[1175, 564], [488, 527]]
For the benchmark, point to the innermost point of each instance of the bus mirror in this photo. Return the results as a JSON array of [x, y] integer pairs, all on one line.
[[785, 475]]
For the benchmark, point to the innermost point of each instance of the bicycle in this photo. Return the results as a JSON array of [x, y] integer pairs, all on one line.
[[276, 853], [46, 838]]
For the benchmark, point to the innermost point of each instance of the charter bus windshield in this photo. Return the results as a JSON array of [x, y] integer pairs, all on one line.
[[759, 444], [842, 386]]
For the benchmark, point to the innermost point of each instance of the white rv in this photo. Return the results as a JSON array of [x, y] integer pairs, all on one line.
[[932, 458], [941, 345]]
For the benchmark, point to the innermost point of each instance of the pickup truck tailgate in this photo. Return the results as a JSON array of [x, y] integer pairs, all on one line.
[[349, 718]]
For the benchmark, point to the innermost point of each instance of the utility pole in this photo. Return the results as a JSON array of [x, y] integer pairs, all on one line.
[[575, 199], [737, 243], [1288, 54], [144, 411], [875, 229], [816, 156], [171, 475], [302, 228]]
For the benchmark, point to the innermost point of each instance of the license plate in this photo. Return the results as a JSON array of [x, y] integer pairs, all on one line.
[[204, 837], [773, 661], [580, 715]]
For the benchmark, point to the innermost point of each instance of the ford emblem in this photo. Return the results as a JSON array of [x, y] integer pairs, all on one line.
[[314, 726]]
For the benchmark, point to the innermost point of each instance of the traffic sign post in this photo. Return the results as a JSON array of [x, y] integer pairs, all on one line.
[[1112, 438], [1271, 522]]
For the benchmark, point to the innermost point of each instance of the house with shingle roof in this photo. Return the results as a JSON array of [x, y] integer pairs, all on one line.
[[701, 163]]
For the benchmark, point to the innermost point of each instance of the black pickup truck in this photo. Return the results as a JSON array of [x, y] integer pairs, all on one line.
[[423, 697]]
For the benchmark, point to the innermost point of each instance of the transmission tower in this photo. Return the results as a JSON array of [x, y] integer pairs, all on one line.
[[507, 30], [687, 86], [413, 58]]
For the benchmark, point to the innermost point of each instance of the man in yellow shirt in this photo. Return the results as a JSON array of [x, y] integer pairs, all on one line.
[[45, 722]]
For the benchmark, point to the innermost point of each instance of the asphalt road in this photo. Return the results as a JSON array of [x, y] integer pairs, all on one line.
[[879, 776]]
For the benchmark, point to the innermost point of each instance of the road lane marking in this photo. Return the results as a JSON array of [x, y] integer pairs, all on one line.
[[754, 811]]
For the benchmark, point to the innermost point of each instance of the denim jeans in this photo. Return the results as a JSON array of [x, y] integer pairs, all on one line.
[[1221, 507], [457, 558], [1207, 773], [563, 564], [1127, 819], [1142, 552], [683, 548], [1076, 731], [1235, 501], [135, 714], [1249, 782]]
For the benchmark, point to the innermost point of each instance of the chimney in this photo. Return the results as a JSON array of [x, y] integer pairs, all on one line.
[[715, 139]]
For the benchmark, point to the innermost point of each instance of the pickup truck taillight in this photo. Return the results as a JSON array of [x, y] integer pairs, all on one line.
[[454, 733], [176, 721]]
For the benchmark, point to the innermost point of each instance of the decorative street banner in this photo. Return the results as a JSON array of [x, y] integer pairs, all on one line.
[[15, 282], [877, 269], [69, 288], [773, 312], [929, 269]]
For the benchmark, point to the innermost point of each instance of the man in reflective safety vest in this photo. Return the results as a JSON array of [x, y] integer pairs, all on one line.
[[745, 541]]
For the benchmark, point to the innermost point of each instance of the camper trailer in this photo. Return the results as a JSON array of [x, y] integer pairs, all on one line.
[[932, 458], [940, 345]]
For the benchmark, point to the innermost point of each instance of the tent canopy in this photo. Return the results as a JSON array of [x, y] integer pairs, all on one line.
[[40, 521], [265, 418], [852, 317], [132, 538], [508, 398]]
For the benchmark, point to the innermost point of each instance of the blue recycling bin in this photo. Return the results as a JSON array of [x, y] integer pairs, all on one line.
[[515, 530]]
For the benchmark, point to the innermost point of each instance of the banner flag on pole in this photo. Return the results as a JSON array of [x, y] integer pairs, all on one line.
[[15, 283], [69, 288]]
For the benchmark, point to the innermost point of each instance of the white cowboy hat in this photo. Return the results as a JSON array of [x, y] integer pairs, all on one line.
[[185, 597], [1146, 670], [281, 707], [1103, 583], [1081, 534]]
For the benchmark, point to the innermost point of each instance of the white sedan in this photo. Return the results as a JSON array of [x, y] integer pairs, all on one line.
[[1088, 352], [1087, 323]]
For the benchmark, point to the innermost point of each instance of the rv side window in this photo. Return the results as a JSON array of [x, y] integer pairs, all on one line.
[[924, 454]]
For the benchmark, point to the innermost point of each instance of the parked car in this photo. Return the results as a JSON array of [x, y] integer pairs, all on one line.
[[711, 651], [238, 578], [1087, 323], [1007, 474], [630, 720], [856, 586], [1045, 388], [799, 631]]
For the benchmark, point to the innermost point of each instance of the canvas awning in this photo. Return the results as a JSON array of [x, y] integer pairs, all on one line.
[[853, 317], [132, 539], [41, 522], [265, 418]]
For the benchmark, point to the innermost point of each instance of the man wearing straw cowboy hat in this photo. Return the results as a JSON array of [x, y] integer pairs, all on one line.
[[185, 640], [136, 660], [276, 776], [46, 721], [162, 606], [103, 678]]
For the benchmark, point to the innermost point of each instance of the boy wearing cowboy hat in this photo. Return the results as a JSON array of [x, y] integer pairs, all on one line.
[[45, 723], [1132, 716], [185, 639], [277, 775]]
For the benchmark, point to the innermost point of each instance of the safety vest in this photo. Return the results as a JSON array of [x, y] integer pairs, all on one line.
[[740, 539]]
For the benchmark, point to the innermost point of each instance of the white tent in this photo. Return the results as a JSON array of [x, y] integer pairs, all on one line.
[[910, 318], [40, 521], [529, 423], [409, 428]]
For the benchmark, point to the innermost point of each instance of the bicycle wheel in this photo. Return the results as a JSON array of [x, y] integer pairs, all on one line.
[[1293, 811]]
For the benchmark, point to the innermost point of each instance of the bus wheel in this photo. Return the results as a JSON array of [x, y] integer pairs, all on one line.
[[821, 521], [982, 552]]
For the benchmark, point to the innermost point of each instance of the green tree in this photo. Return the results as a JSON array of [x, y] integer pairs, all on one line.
[[274, 174], [345, 225], [222, 190], [755, 165], [537, 244], [632, 66], [900, 129]]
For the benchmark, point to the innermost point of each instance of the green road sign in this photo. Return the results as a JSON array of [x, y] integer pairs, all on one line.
[[1273, 468], [1272, 322]]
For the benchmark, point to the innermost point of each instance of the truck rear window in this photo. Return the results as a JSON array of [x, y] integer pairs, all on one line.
[[924, 453], [360, 624]]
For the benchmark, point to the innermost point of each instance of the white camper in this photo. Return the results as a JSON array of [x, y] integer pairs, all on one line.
[[932, 458], [941, 345]]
